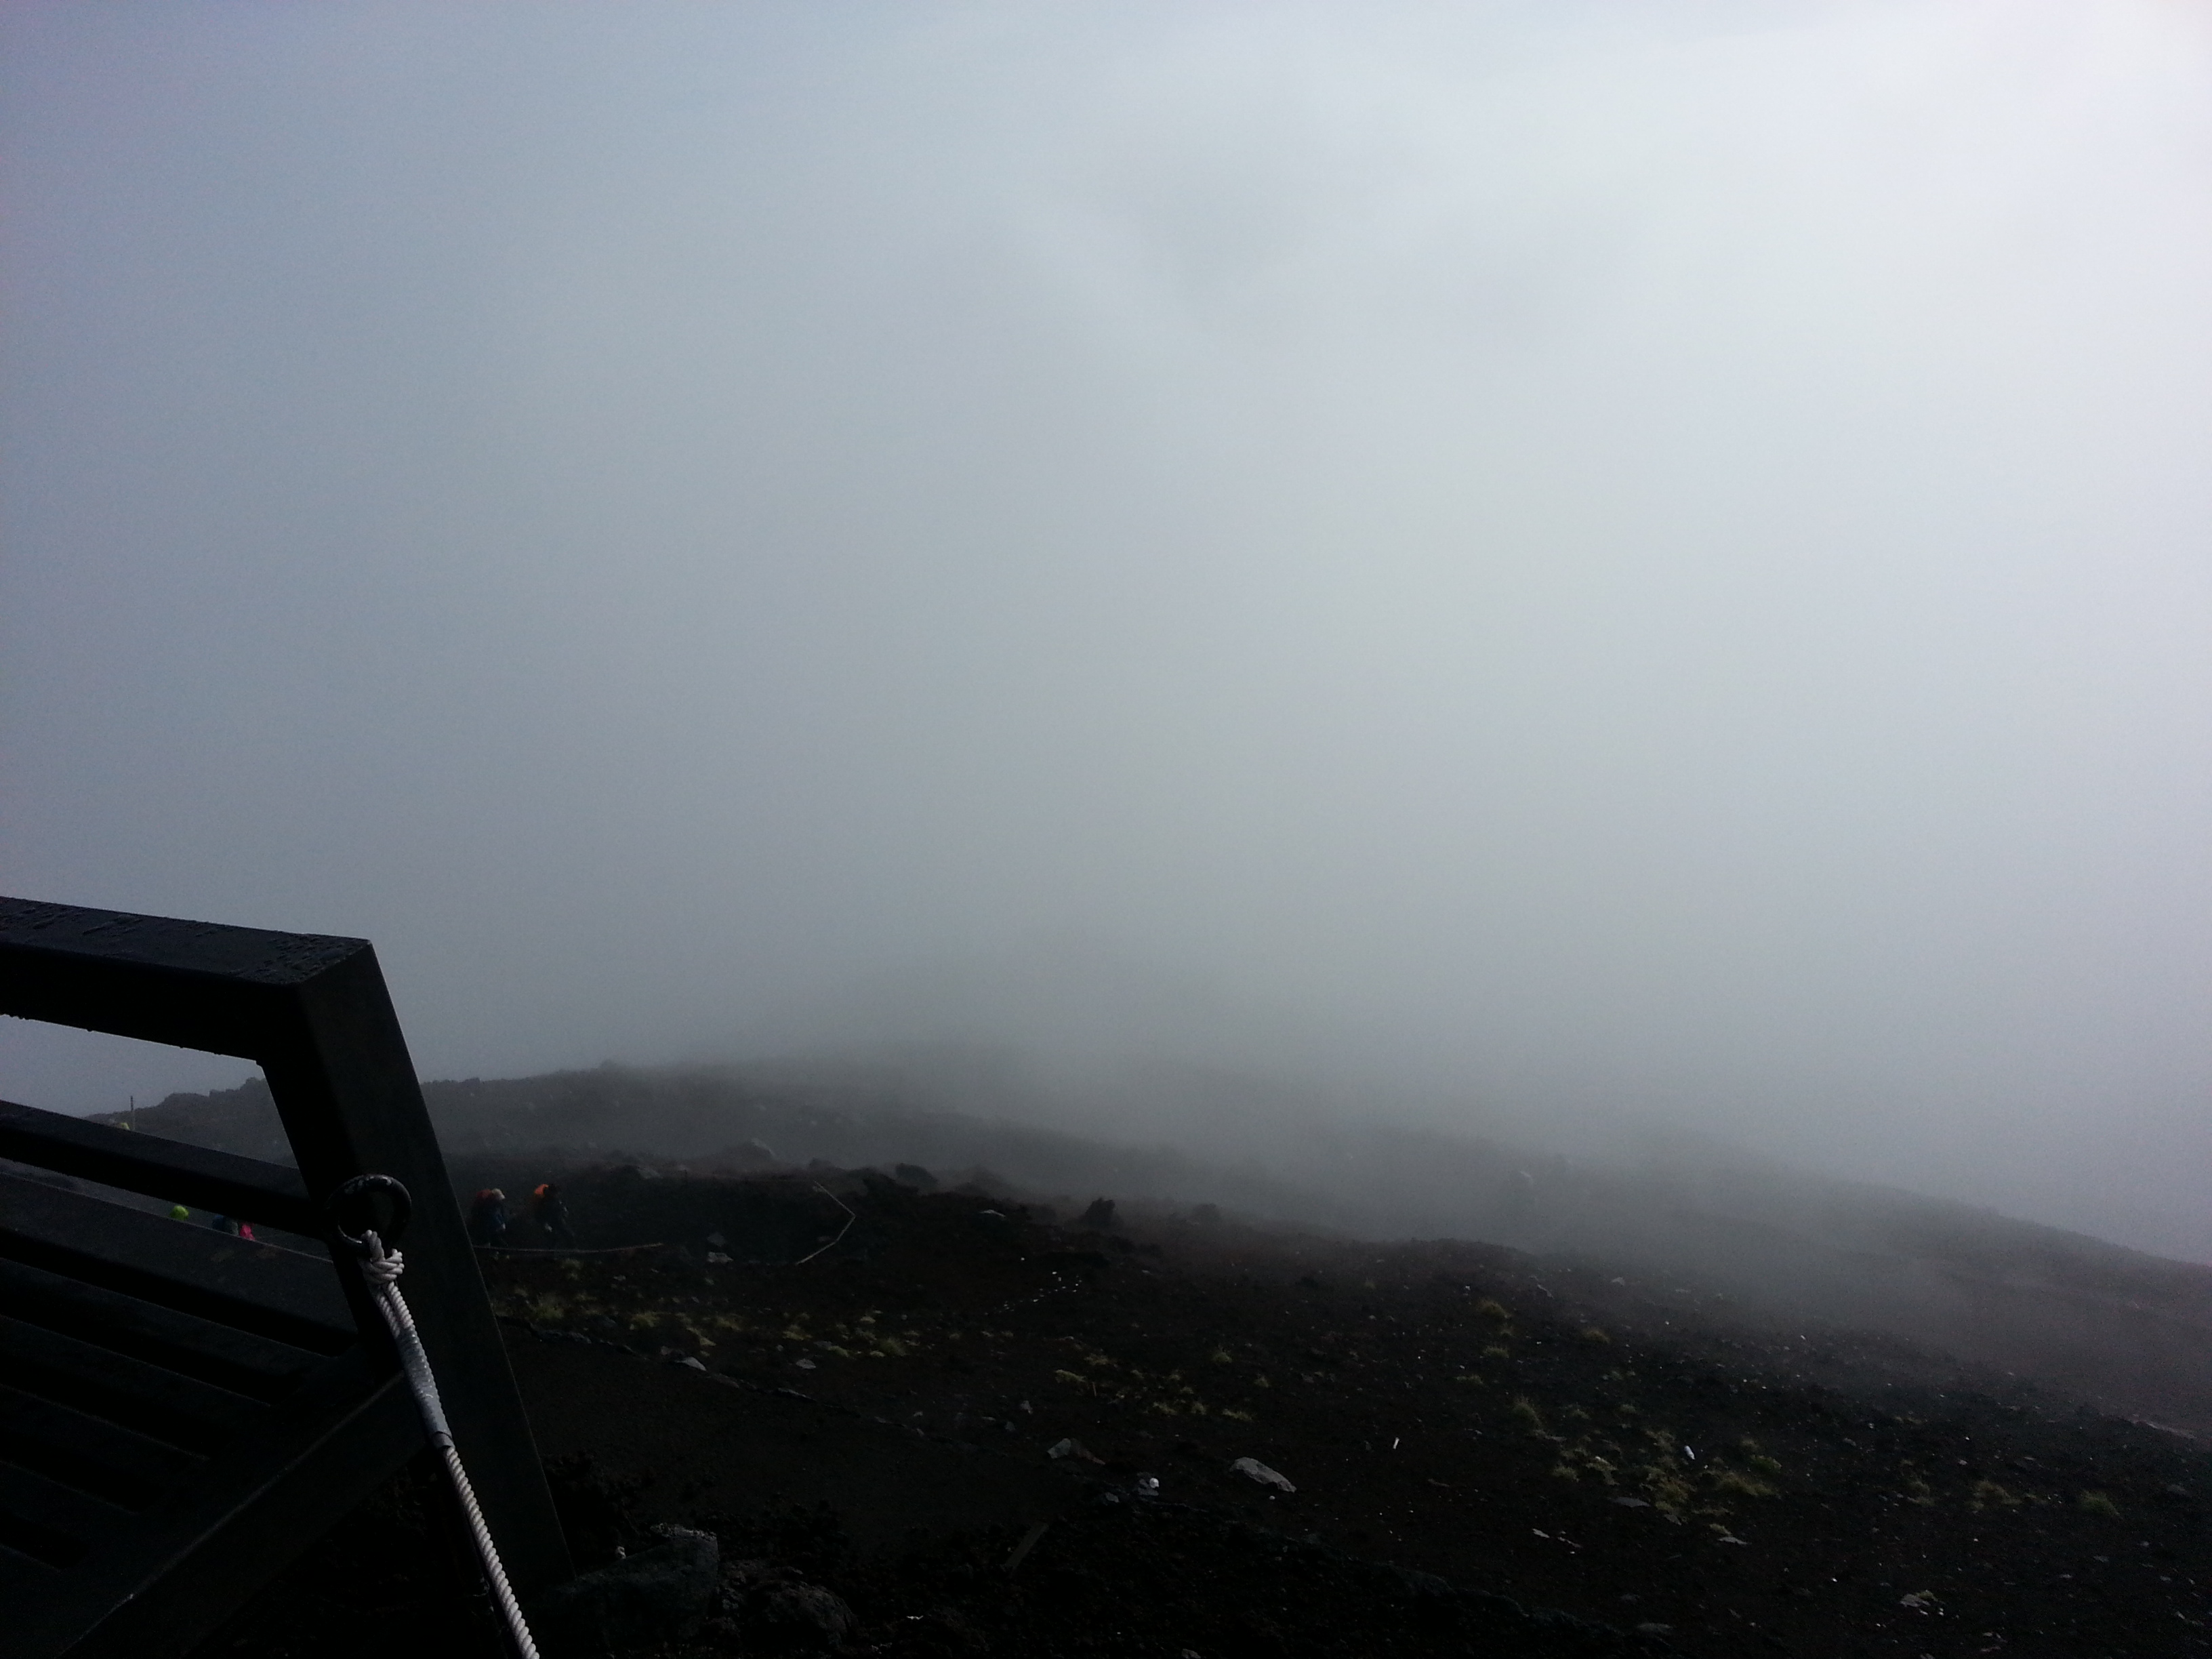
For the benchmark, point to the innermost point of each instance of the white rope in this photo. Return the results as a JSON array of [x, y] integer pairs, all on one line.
[[382, 1269], [850, 1218]]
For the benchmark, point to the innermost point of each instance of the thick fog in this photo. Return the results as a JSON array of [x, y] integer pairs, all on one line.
[[1561, 563]]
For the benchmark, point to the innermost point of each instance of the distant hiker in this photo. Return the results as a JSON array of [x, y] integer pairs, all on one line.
[[223, 1223], [550, 1211], [178, 1213], [488, 1216]]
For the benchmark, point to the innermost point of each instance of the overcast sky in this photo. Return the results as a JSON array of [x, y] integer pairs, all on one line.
[[1652, 558]]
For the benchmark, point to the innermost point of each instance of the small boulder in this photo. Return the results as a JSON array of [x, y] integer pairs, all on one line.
[[1253, 1469], [790, 1616], [648, 1600]]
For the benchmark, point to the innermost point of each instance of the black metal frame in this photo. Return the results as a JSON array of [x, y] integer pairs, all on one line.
[[313, 1013]]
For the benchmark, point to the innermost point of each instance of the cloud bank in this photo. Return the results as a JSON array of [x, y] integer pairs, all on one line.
[[1564, 560]]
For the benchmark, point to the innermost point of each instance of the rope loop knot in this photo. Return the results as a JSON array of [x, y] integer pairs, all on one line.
[[358, 1202]]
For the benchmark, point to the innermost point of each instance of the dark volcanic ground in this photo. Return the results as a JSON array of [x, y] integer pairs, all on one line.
[[1473, 1436]]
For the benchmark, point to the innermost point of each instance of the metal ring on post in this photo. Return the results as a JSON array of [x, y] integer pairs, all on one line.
[[357, 1197]]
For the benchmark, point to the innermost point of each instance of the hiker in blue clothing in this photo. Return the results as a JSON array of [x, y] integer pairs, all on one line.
[[487, 1217]]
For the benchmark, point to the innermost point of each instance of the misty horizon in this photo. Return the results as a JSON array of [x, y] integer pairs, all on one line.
[[1492, 566]]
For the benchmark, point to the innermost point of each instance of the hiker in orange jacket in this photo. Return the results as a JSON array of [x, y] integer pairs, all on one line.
[[550, 1211]]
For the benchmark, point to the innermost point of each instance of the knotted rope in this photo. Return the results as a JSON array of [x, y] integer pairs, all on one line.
[[382, 1268]]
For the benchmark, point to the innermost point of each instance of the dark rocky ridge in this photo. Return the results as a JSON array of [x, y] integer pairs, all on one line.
[[2129, 1331]]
